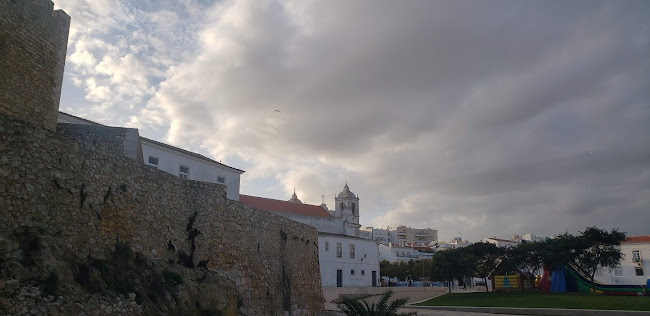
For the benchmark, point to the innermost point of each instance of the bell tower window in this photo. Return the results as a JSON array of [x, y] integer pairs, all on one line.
[[342, 206], [354, 209]]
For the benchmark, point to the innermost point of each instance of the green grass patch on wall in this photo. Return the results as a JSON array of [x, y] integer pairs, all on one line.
[[543, 300]]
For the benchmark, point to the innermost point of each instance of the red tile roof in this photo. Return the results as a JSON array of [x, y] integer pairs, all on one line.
[[273, 205], [637, 239]]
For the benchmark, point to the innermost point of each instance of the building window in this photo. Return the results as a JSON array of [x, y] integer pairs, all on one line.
[[153, 161], [184, 172], [351, 250], [363, 272], [599, 272], [618, 271], [639, 271], [636, 256], [221, 180], [339, 250], [352, 272], [327, 246]]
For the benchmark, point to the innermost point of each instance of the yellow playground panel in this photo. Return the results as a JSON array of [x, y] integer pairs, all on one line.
[[506, 282]]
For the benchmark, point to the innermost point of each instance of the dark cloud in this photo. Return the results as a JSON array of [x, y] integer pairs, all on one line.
[[488, 118]]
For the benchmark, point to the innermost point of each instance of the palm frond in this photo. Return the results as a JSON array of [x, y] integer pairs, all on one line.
[[384, 307]]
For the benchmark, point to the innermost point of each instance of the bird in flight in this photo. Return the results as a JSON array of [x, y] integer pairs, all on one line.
[[277, 110]]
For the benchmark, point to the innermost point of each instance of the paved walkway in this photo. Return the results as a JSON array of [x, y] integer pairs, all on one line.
[[414, 295]]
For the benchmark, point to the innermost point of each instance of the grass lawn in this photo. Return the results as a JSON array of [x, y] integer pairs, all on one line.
[[543, 300]]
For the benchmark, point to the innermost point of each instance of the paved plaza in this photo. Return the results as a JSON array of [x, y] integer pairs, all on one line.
[[416, 295]]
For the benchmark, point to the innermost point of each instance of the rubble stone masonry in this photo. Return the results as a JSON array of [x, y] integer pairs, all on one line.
[[66, 206], [86, 228], [33, 43]]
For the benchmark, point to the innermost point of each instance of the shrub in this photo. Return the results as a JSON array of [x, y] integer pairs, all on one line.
[[384, 307]]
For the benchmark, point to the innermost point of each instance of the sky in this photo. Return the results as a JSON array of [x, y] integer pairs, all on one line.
[[476, 118]]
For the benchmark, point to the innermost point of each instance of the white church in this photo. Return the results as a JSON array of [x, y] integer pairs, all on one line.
[[346, 260]]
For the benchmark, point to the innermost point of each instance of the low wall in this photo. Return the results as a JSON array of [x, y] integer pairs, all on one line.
[[76, 217]]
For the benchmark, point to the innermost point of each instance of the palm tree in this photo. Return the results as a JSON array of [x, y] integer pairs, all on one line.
[[352, 307]]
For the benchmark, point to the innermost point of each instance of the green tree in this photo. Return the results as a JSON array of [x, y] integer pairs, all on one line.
[[484, 257], [561, 250], [385, 307], [528, 257], [600, 248], [421, 268], [393, 270], [451, 264]]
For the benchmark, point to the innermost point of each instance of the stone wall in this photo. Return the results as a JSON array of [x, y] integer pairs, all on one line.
[[78, 220], [33, 43], [112, 139]]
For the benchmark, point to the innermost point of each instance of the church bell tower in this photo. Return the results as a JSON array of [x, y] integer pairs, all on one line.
[[347, 206]]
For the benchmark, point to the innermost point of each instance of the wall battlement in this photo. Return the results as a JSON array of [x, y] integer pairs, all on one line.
[[33, 45]]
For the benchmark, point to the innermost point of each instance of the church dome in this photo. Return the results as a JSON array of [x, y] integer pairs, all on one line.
[[346, 193], [294, 198]]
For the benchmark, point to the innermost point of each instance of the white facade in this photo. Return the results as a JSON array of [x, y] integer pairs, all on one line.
[[377, 234], [196, 167], [501, 243], [415, 236], [179, 162], [347, 261], [394, 253], [335, 227], [322, 224], [635, 266], [528, 237], [347, 208], [454, 244], [401, 235]]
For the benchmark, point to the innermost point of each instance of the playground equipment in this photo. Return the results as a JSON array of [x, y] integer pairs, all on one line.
[[509, 279], [573, 279]]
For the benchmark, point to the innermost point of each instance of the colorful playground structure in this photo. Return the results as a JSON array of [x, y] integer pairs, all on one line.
[[568, 279], [573, 279]]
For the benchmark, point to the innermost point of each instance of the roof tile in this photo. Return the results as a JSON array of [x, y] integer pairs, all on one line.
[[273, 205], [637, 239]]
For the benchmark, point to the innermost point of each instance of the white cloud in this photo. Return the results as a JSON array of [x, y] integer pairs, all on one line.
[[472, 117]]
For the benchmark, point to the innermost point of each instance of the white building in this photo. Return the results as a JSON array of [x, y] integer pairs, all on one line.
[[178, 161], [377, 234], [401, 235], [356, 262], [395, 253], [635, 266], [528, 237], [347, 261], [189, 165], [456, 243], [501, 243]]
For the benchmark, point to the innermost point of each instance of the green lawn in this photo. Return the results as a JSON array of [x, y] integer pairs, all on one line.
[[543, 300]]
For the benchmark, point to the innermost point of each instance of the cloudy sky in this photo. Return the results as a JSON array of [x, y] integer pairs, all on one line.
[[480, 118]]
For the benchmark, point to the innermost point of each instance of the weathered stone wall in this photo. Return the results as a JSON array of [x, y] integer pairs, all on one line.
[[112, 139], [69, 207], [33, 43]]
